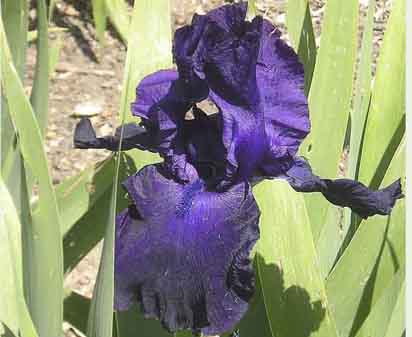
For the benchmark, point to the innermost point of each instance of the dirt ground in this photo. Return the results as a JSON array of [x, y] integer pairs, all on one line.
[[88, 79]]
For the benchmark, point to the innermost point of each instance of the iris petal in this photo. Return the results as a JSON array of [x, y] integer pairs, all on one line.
[[183, 252], [133, 136], [257, 82], [162, 106], [280, 80], [344, 192]]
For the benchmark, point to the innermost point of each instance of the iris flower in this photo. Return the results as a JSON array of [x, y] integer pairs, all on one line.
[[183, 244]]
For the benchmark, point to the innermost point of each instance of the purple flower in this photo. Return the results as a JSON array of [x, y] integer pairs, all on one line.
[[182, 247], [183, 251]]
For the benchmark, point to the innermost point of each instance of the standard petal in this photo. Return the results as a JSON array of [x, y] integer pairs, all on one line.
[[343, 192], [280, 81], [162, 106], [257, 82], [184, 255]]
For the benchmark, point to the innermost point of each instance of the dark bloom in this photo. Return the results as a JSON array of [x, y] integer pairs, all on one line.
[[182, 247], [183, 251]]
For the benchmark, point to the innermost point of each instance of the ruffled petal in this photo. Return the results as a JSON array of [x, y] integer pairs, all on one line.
[[183, 252], [280, 81], [162, 105], [257, 82], [231, 75], [344, 192]]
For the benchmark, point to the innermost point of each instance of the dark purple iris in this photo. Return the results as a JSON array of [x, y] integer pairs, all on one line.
[[183, 245]]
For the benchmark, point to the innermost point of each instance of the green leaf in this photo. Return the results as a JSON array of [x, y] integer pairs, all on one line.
[[76, 311], [386, 118], [251, 10], [40, 92], [151, 27], [77, 196], [372, 258], [119, 16], [13, 311], [293, 291], [132, 320], [378, 320], [33, 34], [54, 53], [15, 17], [362, 94], [10, 251], [334, 237], [329, 99], [52, 4], [300, 29], [397, 323], [100, 321], [100, 18], [43, 271]]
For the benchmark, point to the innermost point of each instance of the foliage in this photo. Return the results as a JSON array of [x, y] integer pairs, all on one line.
[[321, 271]]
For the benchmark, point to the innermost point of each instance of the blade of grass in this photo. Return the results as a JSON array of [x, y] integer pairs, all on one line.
[[329, 99], [100, 320], [151, 26], [374, 255], [32, 35], [362, 93], [52, 4], [119, 15], [77, 198], [13, 311], [54, 53], [40, 93], [43, 271], [300, 29], [132, 320], [100, 18], [334, 239], [76, 311], [293, 290], [397, 323], [378, 320], [387, 111], [10, 245], [15, 17], [251, 10]]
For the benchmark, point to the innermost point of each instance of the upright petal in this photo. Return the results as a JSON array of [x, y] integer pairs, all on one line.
[[280, 81], [183, 252], [162, 106]]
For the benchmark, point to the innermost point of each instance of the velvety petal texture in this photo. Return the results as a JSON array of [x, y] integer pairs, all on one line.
[[183, 252], [255, 79], [183, 245], [344, 192], [162, 107], [132, 135]]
